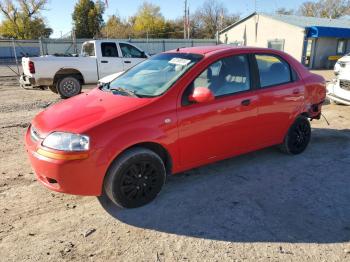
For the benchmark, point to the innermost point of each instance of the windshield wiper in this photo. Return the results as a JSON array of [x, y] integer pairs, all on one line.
[[142, 95], [124, 90]]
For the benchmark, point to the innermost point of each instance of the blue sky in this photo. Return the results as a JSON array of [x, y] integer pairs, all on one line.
[[59, 12]]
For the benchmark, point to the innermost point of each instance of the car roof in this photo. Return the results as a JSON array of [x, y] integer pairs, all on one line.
[[213, 51], [209, 50]]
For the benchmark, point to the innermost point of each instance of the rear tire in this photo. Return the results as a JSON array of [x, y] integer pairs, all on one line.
[[68, 87], [297, 137], [135, 178]]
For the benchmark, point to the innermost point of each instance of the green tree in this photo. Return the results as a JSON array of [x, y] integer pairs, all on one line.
[[173, 29], [22, 19], [148, 21], [87, 18], [117, 28]]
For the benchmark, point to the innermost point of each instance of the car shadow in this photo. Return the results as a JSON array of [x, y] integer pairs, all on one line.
[[265, 196]]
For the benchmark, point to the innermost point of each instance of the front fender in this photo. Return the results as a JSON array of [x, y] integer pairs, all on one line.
[[129, 138]]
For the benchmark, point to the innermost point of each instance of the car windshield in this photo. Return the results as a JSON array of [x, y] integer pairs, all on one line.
[[154, 76]]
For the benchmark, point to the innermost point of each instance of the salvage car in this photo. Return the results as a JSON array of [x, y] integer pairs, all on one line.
[[65, 75], [338, 90], [173, 112]]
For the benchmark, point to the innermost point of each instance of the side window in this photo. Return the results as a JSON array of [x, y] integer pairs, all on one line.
[[226, 76], [130, 51], [109, 50], [341, 46], [89, 49], [277, 44], [273, 70]]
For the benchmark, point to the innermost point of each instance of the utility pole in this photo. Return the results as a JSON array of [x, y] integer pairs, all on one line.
[[188, 22], [185, 19], [255, 6]]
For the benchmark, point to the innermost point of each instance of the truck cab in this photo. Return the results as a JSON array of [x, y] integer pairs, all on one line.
[[112, 56]]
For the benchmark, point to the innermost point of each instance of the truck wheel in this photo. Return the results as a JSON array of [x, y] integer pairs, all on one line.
[[68, 86], [135, 178], [298, 137], [53, 89]]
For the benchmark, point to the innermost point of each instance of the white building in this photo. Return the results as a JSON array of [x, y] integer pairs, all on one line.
[[316, 42]]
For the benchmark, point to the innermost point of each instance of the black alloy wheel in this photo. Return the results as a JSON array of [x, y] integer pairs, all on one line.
[[135, 178], [298, 136]]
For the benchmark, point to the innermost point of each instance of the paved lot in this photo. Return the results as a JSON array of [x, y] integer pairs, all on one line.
[[263, 206]]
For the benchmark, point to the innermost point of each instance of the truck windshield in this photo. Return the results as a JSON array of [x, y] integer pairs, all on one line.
[[156, 75], [88, 49]]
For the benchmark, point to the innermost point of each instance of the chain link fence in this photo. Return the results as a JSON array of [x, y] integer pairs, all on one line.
[[12, 51]]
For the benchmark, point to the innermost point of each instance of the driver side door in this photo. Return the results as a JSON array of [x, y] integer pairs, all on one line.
[[109, 62], [222, 127], [131, 55]]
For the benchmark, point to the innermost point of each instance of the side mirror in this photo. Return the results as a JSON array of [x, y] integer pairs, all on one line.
[[143, 54], [201, 95]]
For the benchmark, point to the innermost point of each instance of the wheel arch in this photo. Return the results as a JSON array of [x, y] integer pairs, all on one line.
[[157, 148], [68, 72], [304, 114]]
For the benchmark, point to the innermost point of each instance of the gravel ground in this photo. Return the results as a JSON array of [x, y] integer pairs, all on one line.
[[263, 206]]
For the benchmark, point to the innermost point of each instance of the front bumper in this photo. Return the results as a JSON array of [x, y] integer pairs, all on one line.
[[77, 177], [335, 93], [26, 81], [338, 99]]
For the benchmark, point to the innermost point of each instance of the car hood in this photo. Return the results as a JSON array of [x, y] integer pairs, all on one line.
[[109, 78], [344, 59], [79, 113]]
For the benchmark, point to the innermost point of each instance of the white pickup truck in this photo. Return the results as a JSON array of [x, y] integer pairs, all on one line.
[[66, 75]]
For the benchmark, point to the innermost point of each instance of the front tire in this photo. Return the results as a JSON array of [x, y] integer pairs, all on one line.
[[297, 137], [135, 178], [68, 87]]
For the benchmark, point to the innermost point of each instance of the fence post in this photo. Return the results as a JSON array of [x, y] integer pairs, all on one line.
[[163, 45], [75, 48], [192, 44], [15, 53], [41, 46]]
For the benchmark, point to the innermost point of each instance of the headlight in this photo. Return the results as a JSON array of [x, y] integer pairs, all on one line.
[[67, 142]]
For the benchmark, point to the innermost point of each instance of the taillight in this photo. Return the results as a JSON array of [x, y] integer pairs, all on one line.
[[31, 67]]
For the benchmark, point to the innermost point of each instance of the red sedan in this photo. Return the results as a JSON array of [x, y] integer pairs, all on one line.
[[175, 111]]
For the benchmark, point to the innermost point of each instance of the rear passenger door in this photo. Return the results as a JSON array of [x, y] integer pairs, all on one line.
[[280, 94], [109, 61]]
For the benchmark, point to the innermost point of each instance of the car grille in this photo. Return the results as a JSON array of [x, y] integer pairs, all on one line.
[[345, 84], [342, 64]]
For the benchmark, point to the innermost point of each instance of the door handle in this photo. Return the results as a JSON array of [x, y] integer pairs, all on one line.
[[246, 102], [104, 62], [296, 91], [127, 62]]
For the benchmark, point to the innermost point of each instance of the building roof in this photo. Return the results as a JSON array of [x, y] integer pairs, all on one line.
[[299, 21], [304, 21]]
